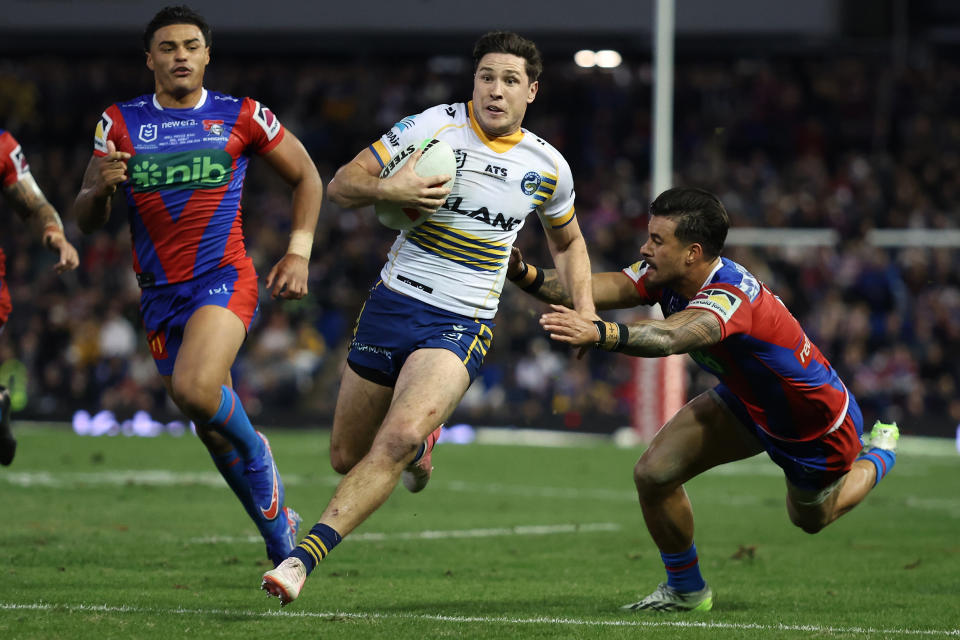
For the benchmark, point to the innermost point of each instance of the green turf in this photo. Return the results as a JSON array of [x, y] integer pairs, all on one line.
[[100, 540]]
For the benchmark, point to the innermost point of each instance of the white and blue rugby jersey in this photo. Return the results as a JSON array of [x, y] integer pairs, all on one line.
[[457, 259]]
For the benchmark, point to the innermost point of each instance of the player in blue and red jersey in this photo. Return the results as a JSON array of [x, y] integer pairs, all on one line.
[[20, 190], [777, 391], [181, 155]]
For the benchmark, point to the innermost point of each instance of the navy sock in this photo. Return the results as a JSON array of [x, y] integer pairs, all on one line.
[[683, 570], [232, 422], [882, 459], [316, 545]]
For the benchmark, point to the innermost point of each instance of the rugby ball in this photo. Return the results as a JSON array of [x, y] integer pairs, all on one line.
[[437, 159]]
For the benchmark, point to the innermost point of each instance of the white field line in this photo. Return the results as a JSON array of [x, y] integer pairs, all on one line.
[[166, 478], [481, 620], [520, 530]]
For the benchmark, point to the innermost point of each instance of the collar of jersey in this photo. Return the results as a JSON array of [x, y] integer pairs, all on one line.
[[501, 144], [202, 101]]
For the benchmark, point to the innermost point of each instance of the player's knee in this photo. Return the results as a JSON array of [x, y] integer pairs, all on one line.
[[807, 522], [652, 478], [343, 459], [397, 442], [197, 399]]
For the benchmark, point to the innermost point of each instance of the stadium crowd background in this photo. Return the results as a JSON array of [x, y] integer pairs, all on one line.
[[798, 140]]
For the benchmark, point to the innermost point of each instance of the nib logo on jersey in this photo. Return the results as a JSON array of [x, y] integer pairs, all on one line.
[[199, 169]]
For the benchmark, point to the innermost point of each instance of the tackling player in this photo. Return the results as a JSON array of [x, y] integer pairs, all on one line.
[[181, 155], [777, 391], [423, 333], [20, 190]]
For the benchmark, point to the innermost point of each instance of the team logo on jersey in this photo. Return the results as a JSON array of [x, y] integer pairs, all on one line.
[[530, 183], [148, 132], [720, 301], [199, 169], [215, 127], [157, 341], [101, 133], [267, 121], [19, 161], [461, 156]]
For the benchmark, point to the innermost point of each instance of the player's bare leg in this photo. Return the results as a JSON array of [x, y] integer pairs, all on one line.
[[813, 513], [430, 385], [361, 408], [701, 435], [200, 386]]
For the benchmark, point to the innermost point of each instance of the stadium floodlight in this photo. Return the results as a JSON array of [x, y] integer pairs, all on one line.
[[585, 58], [608, 58]]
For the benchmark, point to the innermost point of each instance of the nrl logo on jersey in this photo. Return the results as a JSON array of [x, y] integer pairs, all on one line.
[[148, 132]]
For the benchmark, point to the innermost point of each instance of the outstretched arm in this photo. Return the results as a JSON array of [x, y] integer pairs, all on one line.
[[288, 278], [682, 332], [611, 290], [28, 201]]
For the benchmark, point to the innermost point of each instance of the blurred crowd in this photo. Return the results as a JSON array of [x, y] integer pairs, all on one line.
[[848, 144]]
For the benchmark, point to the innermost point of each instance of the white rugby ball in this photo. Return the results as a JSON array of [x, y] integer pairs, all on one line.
[[437, 159]]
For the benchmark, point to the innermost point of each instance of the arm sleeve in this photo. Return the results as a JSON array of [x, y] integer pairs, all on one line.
[[13, 162], [403, 138], [729, 304], [262, 129], [637, 273], [554, 193]]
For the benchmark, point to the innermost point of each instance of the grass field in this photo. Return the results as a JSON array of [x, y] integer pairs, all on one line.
[[139, 538]]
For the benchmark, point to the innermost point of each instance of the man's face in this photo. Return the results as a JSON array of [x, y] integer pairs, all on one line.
[[501, 93], [665, 255], [178, 57]]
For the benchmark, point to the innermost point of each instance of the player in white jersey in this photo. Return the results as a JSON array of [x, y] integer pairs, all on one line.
[[422, 335]]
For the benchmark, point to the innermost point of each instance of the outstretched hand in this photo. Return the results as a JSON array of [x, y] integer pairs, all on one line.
[[568, 326], [514, 263], [56, 241]]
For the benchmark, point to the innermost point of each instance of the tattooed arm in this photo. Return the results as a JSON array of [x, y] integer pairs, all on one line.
[[28, 201], [611, 290], [682, 332]]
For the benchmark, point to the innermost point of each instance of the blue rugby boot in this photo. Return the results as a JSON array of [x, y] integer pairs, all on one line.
[[265, 485], [284, 537]]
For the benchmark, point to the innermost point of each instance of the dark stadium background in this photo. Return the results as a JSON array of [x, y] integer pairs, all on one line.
[[807, 117]]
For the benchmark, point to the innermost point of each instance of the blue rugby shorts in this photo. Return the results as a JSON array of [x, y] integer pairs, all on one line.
[[391, 326]]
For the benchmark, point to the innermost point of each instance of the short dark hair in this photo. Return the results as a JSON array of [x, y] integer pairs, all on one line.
[[178, 14], [509, 42], [699, 215]]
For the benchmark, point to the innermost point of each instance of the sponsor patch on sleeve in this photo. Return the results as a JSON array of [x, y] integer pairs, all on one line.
[[720, 301], [102, 132], [267, 121], [19, 161]]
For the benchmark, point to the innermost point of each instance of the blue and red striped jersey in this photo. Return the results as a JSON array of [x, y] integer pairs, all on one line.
[[764, 357], [186, 179]]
